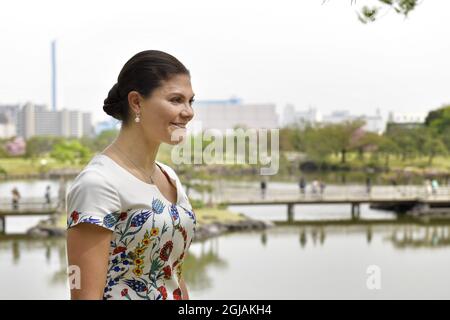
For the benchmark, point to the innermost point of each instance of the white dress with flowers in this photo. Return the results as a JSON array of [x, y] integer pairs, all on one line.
[[150, 235]]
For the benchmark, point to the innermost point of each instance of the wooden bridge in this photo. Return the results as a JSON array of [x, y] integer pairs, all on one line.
[[407, 199], [26, 207]]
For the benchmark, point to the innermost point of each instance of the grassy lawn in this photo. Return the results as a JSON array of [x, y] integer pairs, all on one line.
[[29, 166], [354, 161], [210, 215]]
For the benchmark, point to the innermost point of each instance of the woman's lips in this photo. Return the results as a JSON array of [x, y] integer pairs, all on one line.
[[179, 125]]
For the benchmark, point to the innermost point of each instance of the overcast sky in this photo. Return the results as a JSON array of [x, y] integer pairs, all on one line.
[[299, 52]]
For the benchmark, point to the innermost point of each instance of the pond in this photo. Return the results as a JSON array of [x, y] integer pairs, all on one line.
[[323, 255]]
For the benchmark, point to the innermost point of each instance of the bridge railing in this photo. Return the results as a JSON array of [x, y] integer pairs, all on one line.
[[331, 193], [28, 204]]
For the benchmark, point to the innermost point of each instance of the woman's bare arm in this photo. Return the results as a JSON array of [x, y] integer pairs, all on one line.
[[184, 291], [88, 248]]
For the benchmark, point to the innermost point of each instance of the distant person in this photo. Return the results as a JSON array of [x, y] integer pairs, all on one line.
[[428, 187], [322, 187], [47, 195], [434, 186], [15, 198], [302, 185], [368, 185], [315, 185], [263, 188]]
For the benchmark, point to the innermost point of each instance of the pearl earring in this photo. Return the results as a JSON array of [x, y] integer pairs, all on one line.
[[137, 119]]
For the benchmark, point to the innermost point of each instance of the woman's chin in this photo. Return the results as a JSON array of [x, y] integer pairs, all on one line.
[[177, 136]]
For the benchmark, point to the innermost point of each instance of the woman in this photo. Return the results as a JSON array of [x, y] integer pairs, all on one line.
[[130, 223]]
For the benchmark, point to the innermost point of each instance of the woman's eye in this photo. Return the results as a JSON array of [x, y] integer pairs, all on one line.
[[176, 100]]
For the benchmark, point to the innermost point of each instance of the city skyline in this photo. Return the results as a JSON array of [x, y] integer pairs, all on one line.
[[296, 53]]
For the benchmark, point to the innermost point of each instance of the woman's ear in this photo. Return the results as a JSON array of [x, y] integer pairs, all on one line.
[[134, 101]]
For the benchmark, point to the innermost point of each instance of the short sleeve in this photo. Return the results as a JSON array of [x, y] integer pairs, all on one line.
[[92, 199]]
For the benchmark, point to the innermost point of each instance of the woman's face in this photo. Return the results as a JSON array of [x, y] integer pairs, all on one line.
[[165, 114]]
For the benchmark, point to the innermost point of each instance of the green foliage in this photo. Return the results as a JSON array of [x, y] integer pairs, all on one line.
[[403, 7], [197, 203], [100, 142], [40, 145], [370, 14], [71, 151], [439, 120]]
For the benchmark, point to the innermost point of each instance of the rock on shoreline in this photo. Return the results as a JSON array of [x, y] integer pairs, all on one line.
[[214, 229], [203, 230]]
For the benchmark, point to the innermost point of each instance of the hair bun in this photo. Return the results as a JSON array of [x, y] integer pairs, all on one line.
[[112, 105]]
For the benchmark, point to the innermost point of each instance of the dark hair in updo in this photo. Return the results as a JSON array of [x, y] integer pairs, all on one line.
[[143, 73]]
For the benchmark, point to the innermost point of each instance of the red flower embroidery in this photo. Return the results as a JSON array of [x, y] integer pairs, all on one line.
[[75, 215], [123, 216], [124, 292], [167, 272], [177, 294], [119, 250], [166, 250], [163, 291]]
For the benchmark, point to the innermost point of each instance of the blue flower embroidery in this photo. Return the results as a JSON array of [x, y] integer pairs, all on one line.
[[174, 211], [136, 285], [140, 219], [157, 206]]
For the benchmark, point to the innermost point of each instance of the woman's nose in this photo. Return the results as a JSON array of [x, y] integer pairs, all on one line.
[[188, 112]]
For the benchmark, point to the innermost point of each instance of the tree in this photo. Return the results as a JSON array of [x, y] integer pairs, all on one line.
[[340, 136], [387, 147], [39, 145], [369, 14], [434, 146], [71, 151], [438, 120]]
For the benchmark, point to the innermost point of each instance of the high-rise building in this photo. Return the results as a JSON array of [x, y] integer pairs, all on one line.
[[37, 120], [8, 120]]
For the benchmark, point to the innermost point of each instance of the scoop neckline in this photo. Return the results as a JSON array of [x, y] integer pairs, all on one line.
[[160, 165]]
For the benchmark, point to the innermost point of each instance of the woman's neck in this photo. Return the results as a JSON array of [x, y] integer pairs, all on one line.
[[140, 151]]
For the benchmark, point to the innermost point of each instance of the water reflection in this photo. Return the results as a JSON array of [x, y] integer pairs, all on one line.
[[313, 259]]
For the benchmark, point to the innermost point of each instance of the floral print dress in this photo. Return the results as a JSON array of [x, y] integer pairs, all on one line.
[[150, 235]]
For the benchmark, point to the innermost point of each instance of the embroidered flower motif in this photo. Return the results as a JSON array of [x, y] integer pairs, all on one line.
[[119, 250], [74, 216], [138, 271], [139, 251], [166, 250], [167, 272], [136, 285], [163, 292], [154, 232], [174, 212], [177, 294], [140, 218], [124, 292], [110, 219], [123, 216], [191, 214], [158, 206]]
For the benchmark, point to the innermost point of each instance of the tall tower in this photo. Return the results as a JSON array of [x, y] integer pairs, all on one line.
[[54, 75]]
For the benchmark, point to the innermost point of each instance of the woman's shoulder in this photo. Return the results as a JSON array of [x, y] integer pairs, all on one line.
[[95, 173]]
